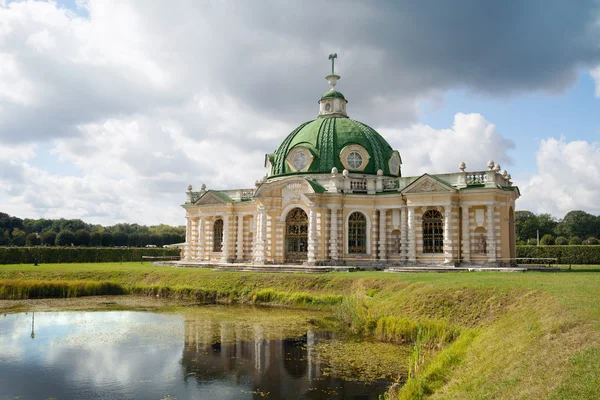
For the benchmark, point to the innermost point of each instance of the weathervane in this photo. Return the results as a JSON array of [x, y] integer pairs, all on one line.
[[332, 57]]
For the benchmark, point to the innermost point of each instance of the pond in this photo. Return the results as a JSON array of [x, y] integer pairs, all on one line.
[[208, 352]]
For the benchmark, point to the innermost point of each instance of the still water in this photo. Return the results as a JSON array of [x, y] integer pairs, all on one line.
[[196, 353]]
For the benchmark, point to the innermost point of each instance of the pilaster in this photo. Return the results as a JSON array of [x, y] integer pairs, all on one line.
[[226, 246], [333, 229], [403, 234], [447, 235], [491, 234], [312, 235], [466, 235], [382, 234], [240, 238], [412, 251], [261, 233], [188, 238], [200, 246]]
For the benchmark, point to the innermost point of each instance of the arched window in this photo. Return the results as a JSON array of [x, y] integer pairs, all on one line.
[[433, 232], [218, 236], [357, 233]]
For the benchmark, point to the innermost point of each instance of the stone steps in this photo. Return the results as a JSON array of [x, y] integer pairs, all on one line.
[[310, 269]]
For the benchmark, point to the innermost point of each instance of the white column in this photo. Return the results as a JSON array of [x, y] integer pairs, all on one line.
[[373, 237], [491, 234], [240, 238], [261, 235], [403, 234], [225, 258], [382, 234], [312, 235], [447, 235], [200, 247], [188, 239], [466, 235], [333, 235], [412, 251]]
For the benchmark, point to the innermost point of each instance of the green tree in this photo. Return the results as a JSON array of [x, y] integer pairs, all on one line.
[[49, 238], [4, 238], [82, 238], [18, 237], [33, 239], [547, 240], [120, 239], [545, 223], [96, 239], [575, 241], [65, 238], [578, 223], [526, 224], [134, 240], [561, 241], [107, 239]]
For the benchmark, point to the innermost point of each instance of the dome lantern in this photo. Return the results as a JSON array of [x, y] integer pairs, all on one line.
[[332, 103]]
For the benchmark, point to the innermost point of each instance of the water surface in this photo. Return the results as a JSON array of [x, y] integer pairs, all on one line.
[[194, 353]]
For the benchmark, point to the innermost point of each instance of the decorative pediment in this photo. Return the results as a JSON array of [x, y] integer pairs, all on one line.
[[211, 197], [428, 184]]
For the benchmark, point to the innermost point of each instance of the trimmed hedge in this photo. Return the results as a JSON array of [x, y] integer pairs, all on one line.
[[571, 254], [51, 255]]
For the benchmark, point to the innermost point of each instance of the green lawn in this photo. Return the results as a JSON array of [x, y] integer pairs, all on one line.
[[524, 335]]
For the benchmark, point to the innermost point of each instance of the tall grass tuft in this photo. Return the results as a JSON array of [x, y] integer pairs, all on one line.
[[37, 289], [294, 298]]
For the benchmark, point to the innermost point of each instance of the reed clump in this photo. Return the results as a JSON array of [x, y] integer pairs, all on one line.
[[294, 298], [37, 289]]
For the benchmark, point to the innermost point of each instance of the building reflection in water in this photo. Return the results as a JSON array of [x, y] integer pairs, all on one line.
[[288, 368]]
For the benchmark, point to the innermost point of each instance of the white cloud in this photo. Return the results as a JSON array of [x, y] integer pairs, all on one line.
[[596, 75], [471, 139], [568, 178]]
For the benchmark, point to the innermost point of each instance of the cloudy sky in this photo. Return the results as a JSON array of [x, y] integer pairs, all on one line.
[[110, 108]]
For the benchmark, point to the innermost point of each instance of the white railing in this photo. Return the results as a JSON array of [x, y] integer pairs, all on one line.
[[358, 186]]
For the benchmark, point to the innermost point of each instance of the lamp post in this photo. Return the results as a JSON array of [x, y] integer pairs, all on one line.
[[37, 248]]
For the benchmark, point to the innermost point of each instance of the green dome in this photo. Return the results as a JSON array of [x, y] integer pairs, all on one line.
[[333, 94], [326, 138]]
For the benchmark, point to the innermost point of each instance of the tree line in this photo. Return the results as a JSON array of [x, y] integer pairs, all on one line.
[[577, 227], [15, 231]]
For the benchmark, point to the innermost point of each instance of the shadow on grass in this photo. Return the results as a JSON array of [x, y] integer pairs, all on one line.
[[595, 269]]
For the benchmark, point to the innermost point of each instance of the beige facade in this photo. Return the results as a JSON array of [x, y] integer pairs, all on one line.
[[473, 220]]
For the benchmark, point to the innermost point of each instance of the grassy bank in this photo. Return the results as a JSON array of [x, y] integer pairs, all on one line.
[[476, 335]]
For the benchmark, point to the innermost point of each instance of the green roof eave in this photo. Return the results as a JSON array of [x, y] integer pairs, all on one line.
[[440, 180], [221, 196], [316, 187]]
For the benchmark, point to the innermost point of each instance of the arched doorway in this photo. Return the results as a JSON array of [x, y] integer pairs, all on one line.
[[296, 236], [433, 232]]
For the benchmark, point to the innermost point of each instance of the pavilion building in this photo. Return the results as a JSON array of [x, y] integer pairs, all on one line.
[[334, 194]]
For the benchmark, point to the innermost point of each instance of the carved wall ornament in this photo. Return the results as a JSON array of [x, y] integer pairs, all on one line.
[[428, 187]]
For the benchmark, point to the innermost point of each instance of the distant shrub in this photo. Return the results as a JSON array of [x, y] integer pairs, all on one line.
[[572, 254], [561, 241], [65, 238], [532, 242], [574, 241], [591, 241], [547, 240], [50, 255]]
